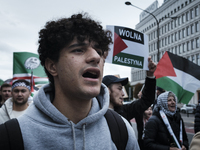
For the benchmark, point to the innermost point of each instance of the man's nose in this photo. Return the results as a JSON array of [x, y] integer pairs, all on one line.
[[93, 56]]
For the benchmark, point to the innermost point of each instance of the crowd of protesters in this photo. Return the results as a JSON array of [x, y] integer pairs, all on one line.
[[68, 113]]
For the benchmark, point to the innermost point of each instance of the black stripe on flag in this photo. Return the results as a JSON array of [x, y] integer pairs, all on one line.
[[185, 65]]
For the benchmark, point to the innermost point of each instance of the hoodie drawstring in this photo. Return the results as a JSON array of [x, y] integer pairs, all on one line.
[[74, 135], [84, 136]]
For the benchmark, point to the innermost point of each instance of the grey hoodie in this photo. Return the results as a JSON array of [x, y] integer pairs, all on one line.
[[44, 127]]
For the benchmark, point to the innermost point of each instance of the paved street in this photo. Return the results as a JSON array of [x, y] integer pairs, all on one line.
[[188, 121]]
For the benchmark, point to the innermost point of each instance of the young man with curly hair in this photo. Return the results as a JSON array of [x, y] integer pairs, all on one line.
[[69, 112]]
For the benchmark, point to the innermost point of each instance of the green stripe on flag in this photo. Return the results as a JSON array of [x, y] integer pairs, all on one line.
[[183, 96]]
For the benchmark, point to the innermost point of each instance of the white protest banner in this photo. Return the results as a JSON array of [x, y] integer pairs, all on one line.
[[129, 48]]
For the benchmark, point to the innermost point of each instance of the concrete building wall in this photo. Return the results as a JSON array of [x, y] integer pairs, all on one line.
[[180, 35]]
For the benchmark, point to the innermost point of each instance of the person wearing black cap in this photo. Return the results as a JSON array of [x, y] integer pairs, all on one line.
[[159, 91], [137, 107]]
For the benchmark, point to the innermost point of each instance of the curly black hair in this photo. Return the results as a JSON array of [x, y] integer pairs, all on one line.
[[58, 34]]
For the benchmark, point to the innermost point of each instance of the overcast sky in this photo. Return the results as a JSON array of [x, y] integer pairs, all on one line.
[[21, 20]]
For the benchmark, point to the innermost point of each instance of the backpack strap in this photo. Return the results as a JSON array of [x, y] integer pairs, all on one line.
[[11, 137], [117, 128]]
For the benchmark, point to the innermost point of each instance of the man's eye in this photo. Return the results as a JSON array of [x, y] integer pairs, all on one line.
[[78, 51], [100, 52]]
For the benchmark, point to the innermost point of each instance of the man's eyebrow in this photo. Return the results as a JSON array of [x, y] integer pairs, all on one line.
[[77, 45]]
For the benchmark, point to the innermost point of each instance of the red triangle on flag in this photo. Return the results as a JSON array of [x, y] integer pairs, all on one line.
[[119, 44], [164, 67]]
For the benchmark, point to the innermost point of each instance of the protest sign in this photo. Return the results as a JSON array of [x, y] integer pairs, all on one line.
[[129, 48]]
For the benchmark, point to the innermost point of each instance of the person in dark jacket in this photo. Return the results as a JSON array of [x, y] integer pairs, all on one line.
[[137, 107], [197, 119], [165, 129]]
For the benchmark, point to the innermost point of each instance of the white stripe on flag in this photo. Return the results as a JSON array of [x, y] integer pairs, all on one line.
[[185, 80]]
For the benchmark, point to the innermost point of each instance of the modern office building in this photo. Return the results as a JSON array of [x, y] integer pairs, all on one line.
[[179, 33]]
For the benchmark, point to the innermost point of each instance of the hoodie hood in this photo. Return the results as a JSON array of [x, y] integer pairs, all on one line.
[[42, 101]]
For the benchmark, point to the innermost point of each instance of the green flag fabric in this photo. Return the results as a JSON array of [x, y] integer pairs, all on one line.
[[1, 82], [25, 63], [179, 75]]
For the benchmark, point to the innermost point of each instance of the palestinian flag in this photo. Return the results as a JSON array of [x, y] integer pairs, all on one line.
[[179, 75], [27, 66]]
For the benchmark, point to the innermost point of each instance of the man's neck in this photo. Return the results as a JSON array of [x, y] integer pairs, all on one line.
[[17, 107], [74, 110], [111, 106]]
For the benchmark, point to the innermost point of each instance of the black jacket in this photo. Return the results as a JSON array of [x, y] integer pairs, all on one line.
[[137, 107], [197, 120], [156, 135]]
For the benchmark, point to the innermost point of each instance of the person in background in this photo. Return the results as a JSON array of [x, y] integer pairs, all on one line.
[[165, 129], [195, 144], [137, 107], [197, 118], [5, 92], [68, 113], [159, 91], [16, 105]]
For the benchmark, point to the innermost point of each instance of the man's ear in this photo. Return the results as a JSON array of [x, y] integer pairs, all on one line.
[[51, 67], [109, 91]]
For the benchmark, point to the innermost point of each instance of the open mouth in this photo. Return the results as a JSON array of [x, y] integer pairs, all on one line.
[[91, 74]]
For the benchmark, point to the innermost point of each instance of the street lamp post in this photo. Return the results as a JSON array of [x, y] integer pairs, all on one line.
[[157, 22]]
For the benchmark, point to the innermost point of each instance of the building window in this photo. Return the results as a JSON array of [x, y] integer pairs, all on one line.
[[197, 59], [192, 44], [172, 50], [179, 34], [187, 31], [176, 36], [165, 28], [172, 38], [183, 18], [192, 28], [196, 26], [197, 42], [168, 26], [179, 20], [192, 59], [180, 49], [168, 39], [188, 57], [188, 46], [165, 41], [187, 16], [162, 29], [172, 24], [175, 22], [196, 11], [184, 48], [191, 13], [183, 33], [175, 49]]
